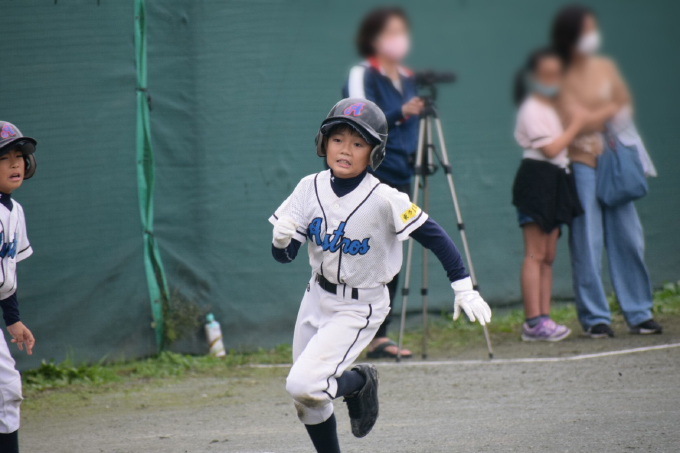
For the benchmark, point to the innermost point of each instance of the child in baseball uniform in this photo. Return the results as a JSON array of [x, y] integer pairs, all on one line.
[[354, 226], [16, 164]]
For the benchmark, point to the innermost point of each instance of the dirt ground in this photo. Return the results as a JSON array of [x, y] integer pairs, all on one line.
[[613, 403]]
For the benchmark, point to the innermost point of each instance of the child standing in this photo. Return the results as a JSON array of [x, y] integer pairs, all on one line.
[[543, 191], [16, 164], [354, 225]]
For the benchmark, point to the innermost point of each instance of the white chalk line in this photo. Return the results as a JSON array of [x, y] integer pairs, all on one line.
[[412, 363]]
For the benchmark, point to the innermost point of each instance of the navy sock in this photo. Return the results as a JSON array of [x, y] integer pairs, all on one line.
[[324, 436], [9, 443], [545, 316], [349, 382], [533, 322]]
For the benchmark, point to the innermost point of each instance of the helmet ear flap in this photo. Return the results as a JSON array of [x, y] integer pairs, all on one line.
[[320, 148], [29, 166], [377, 155]]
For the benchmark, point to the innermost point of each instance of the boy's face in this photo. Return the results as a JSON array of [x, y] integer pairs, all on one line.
[[347, 153], [11, 171]]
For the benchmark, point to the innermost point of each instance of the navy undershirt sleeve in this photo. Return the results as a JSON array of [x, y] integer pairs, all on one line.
[[433, 237], [288, 254], [10, 309]]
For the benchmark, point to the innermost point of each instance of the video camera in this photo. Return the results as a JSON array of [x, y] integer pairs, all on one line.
[[427, 82], [429, 78]]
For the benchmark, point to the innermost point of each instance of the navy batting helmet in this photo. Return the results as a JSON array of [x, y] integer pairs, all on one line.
[[12, 138], [363, 116]]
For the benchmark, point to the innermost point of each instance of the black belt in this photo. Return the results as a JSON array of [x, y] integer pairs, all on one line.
[[333, 288]]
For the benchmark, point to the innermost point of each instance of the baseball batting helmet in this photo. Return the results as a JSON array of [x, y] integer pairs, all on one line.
[[12, 138], [363, 116]]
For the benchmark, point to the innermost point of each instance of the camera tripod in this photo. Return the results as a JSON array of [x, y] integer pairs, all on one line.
[[424, 167]]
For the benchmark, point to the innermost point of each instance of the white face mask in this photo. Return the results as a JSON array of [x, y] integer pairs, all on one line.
[[395, 47], [589, 43]]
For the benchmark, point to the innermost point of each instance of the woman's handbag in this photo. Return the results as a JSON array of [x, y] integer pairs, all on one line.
[[620, 177]]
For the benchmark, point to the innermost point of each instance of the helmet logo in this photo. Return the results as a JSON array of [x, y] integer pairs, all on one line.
[[7, 131], [355, 109]]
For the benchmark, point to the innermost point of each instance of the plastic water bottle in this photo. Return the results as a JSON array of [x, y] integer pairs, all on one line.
[[214, 333]]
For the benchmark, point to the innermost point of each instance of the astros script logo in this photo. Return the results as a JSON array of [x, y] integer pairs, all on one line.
[[7, 131], [355, 109], [336, 241], [8, 248]]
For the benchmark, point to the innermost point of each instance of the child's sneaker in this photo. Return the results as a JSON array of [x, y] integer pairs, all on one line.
[[545, 330], [648, 327], [600, 331], [363, 405]]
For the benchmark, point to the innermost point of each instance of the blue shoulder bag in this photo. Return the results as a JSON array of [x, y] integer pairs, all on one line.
[[620, 177]]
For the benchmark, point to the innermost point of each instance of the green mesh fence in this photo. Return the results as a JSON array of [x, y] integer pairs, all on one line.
[[238, 89]]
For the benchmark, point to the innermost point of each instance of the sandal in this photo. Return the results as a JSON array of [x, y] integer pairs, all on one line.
[[380, 353]]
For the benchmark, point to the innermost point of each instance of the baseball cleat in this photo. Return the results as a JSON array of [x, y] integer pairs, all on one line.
[[363, 405]]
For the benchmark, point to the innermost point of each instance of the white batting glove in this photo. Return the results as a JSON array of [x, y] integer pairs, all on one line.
[[470, 301], [283, 232]]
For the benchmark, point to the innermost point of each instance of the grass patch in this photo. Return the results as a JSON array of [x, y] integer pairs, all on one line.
[[50, 375], [442, 329], [666, 300], [444, 336]]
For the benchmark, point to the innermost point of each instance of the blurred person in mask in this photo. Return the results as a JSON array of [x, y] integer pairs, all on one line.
[[383, 41], [594, 82], [544, 191]]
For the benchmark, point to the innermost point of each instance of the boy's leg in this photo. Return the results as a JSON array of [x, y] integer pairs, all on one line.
[[10, 400], [325, 436], [625, 253], [308, 319], [351, 381], [9, 443], [345, 331]]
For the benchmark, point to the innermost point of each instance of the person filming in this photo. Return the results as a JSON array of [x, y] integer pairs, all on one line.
[[383, 40]]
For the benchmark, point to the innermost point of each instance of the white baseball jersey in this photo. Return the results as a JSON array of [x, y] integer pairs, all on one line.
[[14, 247], [355, 239]]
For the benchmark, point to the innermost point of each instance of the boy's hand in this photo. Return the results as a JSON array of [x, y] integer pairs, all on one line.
[[22, 336], [470, 301], [283, 232]]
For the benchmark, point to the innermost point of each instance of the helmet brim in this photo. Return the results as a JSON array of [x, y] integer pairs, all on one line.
[[25, 144], [362, 128]]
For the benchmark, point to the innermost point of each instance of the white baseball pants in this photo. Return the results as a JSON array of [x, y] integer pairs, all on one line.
[[10, 390], [330, 332]]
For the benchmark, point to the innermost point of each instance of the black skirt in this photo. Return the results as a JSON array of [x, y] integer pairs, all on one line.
[[546, 193]]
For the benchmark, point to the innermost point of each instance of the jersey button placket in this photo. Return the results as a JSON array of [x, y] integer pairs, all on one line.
[[335, 222]]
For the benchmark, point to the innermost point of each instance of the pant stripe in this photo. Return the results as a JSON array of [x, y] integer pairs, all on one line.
[[368, 321]]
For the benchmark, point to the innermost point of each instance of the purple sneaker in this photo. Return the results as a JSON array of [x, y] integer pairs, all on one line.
[[545, 330]]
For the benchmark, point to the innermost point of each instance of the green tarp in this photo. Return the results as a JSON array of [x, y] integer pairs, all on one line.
[[238, 89], [68, 79]]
